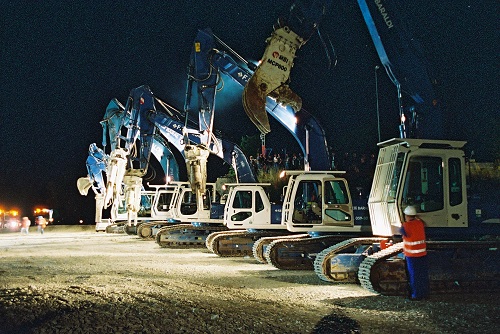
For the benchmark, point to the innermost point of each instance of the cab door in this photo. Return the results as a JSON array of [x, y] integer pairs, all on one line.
[[247, 208]]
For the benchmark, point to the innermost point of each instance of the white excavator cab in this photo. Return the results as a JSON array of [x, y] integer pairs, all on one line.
[[318, 201], [187, 209], [426, 174], [164, 200], [249, 207]]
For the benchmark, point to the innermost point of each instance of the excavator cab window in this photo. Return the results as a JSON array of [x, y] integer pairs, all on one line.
[[455, 177], [396, 174], [122, 207], [423, 185], [308, 202], [336, 193], [259, 204], [243, 200], [188, 205], [146, 203], [207, 199], [164, 201]]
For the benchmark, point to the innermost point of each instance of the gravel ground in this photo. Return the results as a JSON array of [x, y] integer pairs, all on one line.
[[73, 280]]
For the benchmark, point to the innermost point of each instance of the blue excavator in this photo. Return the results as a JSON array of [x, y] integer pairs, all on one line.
[[107, 192], [130, 158], [426, 171], [211, 61], [249, 223], [197, 203]]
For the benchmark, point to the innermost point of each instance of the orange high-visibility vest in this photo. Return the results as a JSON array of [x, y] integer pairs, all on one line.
[[414, 242]]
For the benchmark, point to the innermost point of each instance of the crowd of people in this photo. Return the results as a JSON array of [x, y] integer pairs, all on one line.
[[359, 168], [277, 161]]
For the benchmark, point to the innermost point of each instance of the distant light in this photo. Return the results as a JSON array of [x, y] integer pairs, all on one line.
[[81, 221], [282, 174]]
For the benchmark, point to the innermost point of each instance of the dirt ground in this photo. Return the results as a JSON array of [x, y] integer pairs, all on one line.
[[74, 280]]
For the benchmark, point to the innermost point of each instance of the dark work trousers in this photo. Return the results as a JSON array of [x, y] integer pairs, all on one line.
[[418, 276]]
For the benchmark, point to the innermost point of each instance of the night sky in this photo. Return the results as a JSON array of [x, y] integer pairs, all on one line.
[[62, 62]]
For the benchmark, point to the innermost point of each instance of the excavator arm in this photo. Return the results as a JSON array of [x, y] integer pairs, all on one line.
[[303, 126], [401, 55], [109, 191], [140, 120]]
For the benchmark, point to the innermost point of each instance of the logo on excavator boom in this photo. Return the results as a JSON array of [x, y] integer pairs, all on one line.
[[384, 14], [280, 57], [278, 65]]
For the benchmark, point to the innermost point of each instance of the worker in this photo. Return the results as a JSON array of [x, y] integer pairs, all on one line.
[[42, 223], [25, 225], [414, 248]]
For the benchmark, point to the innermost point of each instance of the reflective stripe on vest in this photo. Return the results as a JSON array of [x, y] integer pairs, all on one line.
[[409, 246], [411, 243], [414, 251]]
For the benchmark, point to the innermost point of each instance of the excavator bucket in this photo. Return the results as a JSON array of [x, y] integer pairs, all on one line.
[[83, 184], [271, 78]]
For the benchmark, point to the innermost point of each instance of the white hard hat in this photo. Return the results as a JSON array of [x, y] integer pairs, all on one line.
[[410, 211]]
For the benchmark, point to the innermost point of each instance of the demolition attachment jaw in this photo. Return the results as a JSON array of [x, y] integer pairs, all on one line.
[[271, 78]]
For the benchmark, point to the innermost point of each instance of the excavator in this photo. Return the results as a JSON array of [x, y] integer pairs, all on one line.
[[98, 162], [317, 211], [195, 146], [197, 210], [151, 209], [426, 173], [209, 59], [140, 113], [246, 225], [462, 237], [321, 224], [269, 84]]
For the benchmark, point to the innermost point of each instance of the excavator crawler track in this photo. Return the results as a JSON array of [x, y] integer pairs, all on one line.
[[145, 230], [238, 243], [214, 235], [454, 266], [185, 235], [260, 246], [116, 228], [299, 254], [334, 265]]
